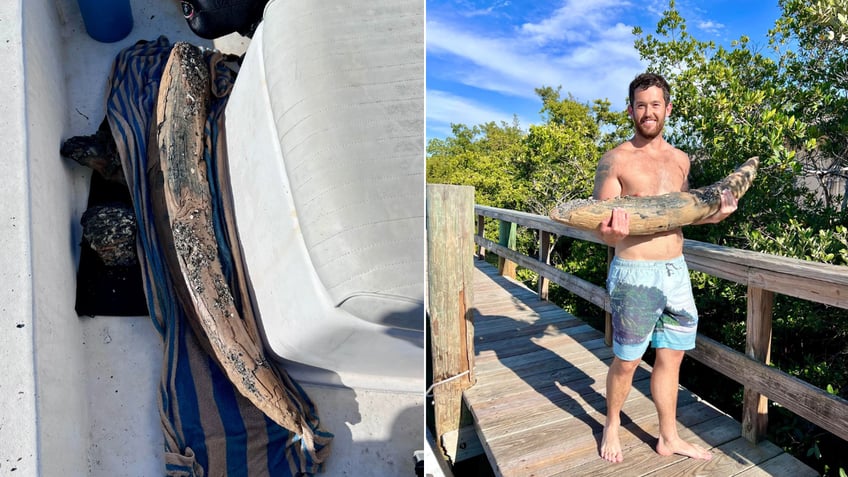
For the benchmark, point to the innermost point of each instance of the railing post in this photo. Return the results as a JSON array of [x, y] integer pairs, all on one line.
[[506, 237], [757, 347], [607, 315], [450, 248], [481, 230], [544, 257]]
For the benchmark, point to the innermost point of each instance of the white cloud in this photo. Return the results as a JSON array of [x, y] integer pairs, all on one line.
[[601, 67], [576, 20], [493, 63], [445, 108], [486, 11], [710, 26]]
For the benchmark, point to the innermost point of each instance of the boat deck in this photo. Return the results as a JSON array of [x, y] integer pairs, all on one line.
[[539, 400]]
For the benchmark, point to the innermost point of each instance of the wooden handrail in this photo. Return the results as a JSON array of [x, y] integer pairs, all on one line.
[[764, 275]]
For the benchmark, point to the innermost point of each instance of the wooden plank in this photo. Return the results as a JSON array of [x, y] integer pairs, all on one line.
[[517, 312], [548, 360], [783, 464], [497, 298], [508, 416], [547, 377], [534, 221], [571, 355], [545, 325], [640, 457], [802, 269], [500, 306], [553, 326], [563, 452], [496, 322], [450, 224], [573, 392], [521, 345], [817, 406], [529, 325], [731, 458], [818, 282], [582, 288], [465, 441], [566, 443], [517, 290], [521, 413]]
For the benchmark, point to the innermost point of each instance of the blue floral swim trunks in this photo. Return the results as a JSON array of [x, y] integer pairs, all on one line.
[[652, 302]]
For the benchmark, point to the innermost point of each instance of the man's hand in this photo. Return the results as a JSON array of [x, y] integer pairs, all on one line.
[[616, 228], [727, 207]]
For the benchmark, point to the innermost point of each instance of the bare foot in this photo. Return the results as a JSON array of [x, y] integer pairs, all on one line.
[[611, 445], [681, 447]]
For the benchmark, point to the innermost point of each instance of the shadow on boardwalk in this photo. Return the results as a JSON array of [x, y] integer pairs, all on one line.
[[560, 362], [539, 405]]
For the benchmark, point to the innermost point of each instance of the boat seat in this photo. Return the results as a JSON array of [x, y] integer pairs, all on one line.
[[326, 159]]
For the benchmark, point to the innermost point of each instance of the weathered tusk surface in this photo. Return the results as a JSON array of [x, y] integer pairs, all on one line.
[[649, 215]]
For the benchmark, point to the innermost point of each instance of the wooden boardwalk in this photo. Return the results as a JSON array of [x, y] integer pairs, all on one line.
[[539, 404]]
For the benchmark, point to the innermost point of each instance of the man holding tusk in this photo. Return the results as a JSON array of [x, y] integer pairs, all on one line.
[[648, 282]]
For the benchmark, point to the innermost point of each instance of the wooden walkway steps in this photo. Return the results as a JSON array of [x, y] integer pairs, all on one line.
[[539, 402]]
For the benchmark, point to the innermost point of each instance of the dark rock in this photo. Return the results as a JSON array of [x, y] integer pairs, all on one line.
[[110, 230], [97, 151]]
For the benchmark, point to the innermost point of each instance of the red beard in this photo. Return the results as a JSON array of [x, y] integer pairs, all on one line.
[[654, 130]]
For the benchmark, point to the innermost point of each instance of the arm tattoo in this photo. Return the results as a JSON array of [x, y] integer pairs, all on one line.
[[602, 172]]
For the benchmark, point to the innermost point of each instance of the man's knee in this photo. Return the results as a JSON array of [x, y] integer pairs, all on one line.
[[667, 356], [628, 367]]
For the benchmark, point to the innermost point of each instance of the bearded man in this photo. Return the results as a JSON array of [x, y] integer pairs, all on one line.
[[648, 282]]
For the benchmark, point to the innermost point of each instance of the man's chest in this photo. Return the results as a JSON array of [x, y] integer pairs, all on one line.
[[646, 178]]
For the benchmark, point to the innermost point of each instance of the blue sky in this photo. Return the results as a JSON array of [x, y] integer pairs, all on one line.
[[486, 57]]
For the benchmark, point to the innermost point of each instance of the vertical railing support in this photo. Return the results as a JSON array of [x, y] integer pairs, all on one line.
[[506, 238], [607, 315], [450, 247], [758, 347], [481, 230], [544, 257]]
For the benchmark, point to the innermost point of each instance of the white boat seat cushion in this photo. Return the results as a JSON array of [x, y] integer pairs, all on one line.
[[325, 137]]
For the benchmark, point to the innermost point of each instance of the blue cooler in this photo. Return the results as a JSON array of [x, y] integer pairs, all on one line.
[[107, 20]]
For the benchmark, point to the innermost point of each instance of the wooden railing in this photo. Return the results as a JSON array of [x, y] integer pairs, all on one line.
[[763, 274]]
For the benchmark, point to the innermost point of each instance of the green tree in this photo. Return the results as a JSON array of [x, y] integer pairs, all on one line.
[[558, 158], [482, 156], [533, 170], [811, 39]]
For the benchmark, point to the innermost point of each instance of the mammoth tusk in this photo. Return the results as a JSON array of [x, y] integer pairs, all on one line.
[[649, 215]]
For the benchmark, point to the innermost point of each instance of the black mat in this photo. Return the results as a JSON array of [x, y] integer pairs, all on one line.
[[101, 289]]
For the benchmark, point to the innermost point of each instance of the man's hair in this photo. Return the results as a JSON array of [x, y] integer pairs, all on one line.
[[645, 81]]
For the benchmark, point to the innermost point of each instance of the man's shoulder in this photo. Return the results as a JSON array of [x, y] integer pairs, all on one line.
[[679, 155], [618, 153], [677, 152]]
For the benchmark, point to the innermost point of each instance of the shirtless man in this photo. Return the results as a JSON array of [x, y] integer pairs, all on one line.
[[648, 282]]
